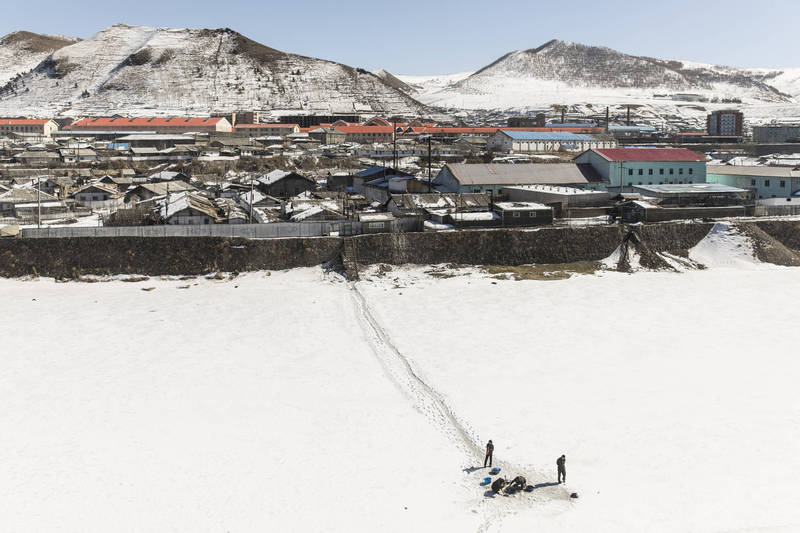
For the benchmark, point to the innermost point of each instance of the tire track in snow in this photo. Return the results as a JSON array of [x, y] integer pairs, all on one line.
[[432, 404], [428, 400]]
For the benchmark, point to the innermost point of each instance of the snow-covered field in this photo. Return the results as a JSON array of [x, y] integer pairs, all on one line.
[[293, 402]]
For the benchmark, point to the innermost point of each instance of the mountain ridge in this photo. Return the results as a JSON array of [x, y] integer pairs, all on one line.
[[144, 70]]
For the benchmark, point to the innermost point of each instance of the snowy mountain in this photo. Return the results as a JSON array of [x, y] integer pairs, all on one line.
[[573, 74], [22, 51], [140, 70]]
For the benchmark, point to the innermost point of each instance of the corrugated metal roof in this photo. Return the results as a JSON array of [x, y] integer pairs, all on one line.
[[755, 171], [529, 173], [690, 188], [649, 154]]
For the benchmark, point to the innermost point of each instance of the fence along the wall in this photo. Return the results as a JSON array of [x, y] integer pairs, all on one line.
[[248, 231]]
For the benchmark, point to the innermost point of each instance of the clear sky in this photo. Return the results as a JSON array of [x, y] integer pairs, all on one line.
[[448, 36]]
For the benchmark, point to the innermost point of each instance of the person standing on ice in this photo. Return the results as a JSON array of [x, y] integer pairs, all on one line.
[[489, 452], [561, 463]]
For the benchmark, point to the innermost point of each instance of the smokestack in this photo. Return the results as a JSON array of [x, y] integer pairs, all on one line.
[[606, 119], [563, 112], [629, 115]]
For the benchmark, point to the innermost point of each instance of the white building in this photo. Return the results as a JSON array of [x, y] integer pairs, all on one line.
[[516, 142]]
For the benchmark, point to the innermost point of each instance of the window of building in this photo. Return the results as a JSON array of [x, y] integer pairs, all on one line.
[[661, 171], [649, 171], [766, 183], [680, 171], [691, 171], [671, 171], [753, 183], [630, 172], [532, 214], [515, 214], [783, 183], [641, 171]]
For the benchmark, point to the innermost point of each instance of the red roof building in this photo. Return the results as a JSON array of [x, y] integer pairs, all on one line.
[[157, 124], [645, 166], [649, 154], [27, 126]]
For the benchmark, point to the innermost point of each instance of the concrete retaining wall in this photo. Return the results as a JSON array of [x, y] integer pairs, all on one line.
[[160, 256], [71, 257]]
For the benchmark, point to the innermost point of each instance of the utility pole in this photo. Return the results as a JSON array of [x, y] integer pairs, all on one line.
[[251, 199], [166, 206], [39, 201], [394, 144], [429, 162]]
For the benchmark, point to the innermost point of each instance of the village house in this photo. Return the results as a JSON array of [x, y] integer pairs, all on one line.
[[187, 208], [14, 199], [38, 157], [381, 189], [147, 191], [327, 135], [98, 195], [523, 213], [420, 206], [282, 184], [77, 155], [376, 222]]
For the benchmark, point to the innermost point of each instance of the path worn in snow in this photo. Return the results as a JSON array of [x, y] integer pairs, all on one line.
[[432, 404]]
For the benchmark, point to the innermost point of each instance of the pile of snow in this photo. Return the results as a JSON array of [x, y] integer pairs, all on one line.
[[725, 246]]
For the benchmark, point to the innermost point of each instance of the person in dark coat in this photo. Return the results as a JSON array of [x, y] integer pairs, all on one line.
[[489, 452], [498, 485], [561, 463], [519, 483]]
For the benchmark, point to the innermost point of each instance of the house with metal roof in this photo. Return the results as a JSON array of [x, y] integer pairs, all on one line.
[[628, 167], [478, 177], [510, 141]]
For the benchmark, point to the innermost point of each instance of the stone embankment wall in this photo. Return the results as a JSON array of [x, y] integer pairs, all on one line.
[[776, 241], [160, 255]]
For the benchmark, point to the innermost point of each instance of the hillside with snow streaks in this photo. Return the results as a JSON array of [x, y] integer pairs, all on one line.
[[573, 74], [140, 70], [22, 51]]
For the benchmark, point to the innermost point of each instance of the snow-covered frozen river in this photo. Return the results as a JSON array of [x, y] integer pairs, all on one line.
[[287, 402]]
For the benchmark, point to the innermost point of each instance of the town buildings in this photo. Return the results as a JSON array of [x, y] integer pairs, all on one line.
[[725, 123], [776, 133]]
